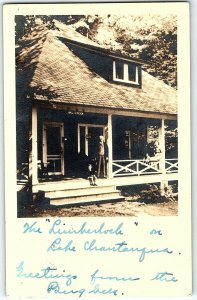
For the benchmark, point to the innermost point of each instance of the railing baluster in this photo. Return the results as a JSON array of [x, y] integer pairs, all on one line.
[[137, 167], [172, 165]]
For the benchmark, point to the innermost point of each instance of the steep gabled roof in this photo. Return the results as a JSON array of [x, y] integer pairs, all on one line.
[[49, 71]]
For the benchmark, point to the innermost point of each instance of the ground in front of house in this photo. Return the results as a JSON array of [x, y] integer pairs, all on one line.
[[143, 201], [126, 209]]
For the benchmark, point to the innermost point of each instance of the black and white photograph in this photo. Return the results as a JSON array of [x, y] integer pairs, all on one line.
[[97, 150], [96, 115]]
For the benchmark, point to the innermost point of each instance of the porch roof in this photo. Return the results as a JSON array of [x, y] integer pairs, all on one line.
[[47, 70]]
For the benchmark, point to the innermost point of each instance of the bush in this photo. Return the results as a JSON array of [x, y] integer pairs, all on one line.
[[151, 193]]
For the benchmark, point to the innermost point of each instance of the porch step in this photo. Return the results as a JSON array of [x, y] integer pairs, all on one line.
[[90, 194], [89, 199], [69, 185], [90, 190]]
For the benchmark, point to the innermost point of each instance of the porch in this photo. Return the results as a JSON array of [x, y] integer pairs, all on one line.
[[62, 140]]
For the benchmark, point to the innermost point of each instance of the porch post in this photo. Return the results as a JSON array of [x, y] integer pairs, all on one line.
[[109, 142], [162, 145], [163, 183], [86, 140], [33, 151]]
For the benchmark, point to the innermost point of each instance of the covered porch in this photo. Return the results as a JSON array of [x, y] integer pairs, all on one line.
[[64, 138]]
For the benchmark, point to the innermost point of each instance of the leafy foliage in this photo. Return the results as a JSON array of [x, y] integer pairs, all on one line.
[[151, 193]]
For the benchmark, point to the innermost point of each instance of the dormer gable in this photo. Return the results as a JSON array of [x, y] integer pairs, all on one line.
[[113, 67]]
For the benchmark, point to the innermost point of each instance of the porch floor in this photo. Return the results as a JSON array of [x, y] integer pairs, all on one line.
[[68, 184]]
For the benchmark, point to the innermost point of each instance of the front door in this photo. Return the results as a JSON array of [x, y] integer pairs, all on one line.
[[53, 147], [88, 138]]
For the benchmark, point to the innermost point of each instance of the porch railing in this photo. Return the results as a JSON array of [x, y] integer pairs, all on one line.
[[142, 167], [171, 165]]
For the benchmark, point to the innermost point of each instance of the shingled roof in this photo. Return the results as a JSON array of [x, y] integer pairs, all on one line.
[[48, 70]]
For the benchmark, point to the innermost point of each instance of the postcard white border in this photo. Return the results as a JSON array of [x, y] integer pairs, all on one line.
[[181, 114]]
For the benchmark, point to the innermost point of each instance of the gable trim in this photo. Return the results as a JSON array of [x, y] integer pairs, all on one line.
[[102, 51]]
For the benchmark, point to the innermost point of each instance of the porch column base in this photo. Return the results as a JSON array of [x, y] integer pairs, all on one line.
[[163, 186]]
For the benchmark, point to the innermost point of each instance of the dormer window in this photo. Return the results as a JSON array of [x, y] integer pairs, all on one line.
[[125, 72]]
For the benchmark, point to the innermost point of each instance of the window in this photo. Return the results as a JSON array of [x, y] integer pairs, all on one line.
[[132, 70], [119, 70], [125, 72]]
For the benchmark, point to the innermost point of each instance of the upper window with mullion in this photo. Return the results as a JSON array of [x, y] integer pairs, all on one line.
[[132, 72], [125, 72], [119, 70]]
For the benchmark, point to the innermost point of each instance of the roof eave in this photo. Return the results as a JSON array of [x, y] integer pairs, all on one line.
[[102, 51], [105, 110]]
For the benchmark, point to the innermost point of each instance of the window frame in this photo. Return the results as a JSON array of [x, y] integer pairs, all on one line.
[[126, 73]]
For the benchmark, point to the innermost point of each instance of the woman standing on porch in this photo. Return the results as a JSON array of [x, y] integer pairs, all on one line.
[[103, 153]]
